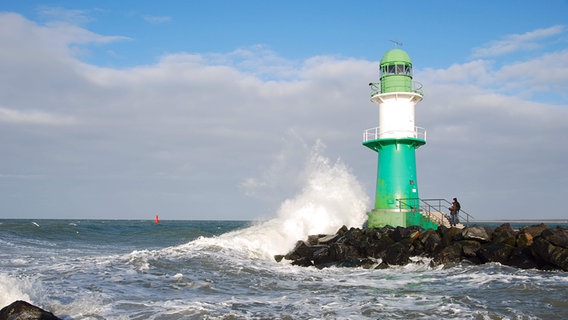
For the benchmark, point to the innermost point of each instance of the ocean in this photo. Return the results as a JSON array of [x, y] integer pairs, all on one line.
[[138, 269]]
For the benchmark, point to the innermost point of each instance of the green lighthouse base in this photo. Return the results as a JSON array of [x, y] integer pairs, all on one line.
[[379, 218]]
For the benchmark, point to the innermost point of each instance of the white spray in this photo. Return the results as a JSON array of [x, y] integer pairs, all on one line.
[[331, 197]]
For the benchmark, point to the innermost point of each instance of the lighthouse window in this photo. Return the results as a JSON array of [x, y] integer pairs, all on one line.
[[400, 69], [387, 70], [396, 69]]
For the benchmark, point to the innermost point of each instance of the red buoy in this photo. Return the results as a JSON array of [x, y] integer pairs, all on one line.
[[157, 220]]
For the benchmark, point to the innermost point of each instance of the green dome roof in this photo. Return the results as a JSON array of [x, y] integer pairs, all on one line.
[[396, 55]]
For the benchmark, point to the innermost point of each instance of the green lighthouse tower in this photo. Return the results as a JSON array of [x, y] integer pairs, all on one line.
[[396, 140]]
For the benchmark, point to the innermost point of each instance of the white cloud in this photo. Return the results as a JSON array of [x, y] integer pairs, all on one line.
[[193, 134], [517, 42], [543, 74], [34, 117], [547, 73]]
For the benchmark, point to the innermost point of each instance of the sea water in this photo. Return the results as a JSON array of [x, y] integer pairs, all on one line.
[[138, 269]]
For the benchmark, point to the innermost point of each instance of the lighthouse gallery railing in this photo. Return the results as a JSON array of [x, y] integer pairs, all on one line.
[[376, 133], [416, 88]]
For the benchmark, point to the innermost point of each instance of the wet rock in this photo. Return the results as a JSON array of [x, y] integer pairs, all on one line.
[[328, 239], [303, 249], [314, 239], [450, 235], [342, 252], [448, 255], [504, 234], [302, 262], [479, 233], [534, 230], [342, 231], [416, 247], [399, 233], [469, 248], [397, 254], [523, 259], [350, 262], [22, 310], [354, 236], [495, 252], [531, 247], [431, 241], [378, 245], [556, 256], [524, 240], [322, 257], [367, 263], [557, 237]]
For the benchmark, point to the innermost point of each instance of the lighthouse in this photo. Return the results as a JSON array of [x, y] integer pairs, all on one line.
[[395, 140]]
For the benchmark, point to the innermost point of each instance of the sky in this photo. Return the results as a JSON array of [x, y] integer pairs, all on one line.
[[210, 109]]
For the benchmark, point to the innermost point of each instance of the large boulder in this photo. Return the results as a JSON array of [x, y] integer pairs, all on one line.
[[552, 247], [523, 259], [557, 237], [400, 233], [328, 239], [302, 262], [22, 310], [322, 258], [478, 233], [504, 234], [302, 249], [534, 230], [470, 248], [449, 235], [431, 241], [378, 244], [524, 240], [496, 252], [397, 254], [447, 256], [342, 252], [355, 237]]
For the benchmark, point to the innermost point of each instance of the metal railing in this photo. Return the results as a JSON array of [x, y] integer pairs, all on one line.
[[375, 133], [417, 87], [429, 206]]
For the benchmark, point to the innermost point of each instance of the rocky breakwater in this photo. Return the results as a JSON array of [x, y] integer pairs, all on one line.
[[537, 246]]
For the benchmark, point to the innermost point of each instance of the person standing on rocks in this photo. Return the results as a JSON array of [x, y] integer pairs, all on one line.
[[454, 209]]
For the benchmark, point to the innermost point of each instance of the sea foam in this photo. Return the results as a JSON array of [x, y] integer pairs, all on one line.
[[12, 289], [330, 198]]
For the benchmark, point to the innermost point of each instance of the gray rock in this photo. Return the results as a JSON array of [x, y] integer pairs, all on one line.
[[557, 237], [397, 254], [534, 230], [496, 252], [22, 310], [447, 256], [477, 233], [554, 255], [328, 239], [504, 234], [470, 248]]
